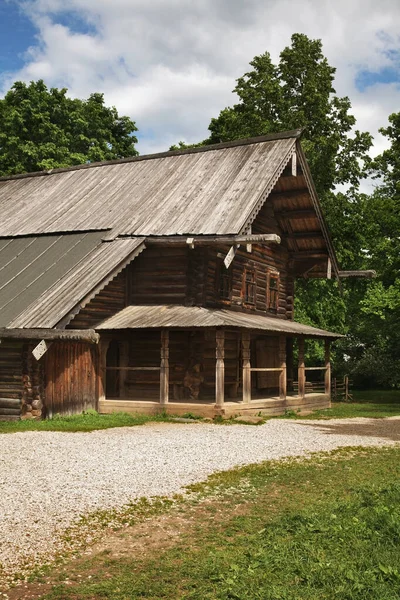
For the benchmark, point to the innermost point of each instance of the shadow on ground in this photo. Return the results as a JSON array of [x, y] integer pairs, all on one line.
[[386, 429]]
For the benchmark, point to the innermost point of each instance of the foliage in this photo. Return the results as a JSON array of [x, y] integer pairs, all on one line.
[[298, 92], [44, 129]]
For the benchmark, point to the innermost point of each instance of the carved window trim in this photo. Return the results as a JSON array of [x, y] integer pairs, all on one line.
[[273, 281], [249, 287]]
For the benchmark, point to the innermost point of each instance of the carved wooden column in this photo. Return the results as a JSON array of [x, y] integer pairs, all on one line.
[[282, 364], [289, 364], [246, 366], [220, 368], [164, 367], [102, 372], [123, 362], [327, 368], [302, 370]]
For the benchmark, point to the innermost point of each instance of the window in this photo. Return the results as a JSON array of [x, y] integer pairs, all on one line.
[[225, 283], [249, 286], [272, 291]]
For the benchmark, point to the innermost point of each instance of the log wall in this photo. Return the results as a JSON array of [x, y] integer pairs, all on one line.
[[21, 381], [11, 380], [109, 301]]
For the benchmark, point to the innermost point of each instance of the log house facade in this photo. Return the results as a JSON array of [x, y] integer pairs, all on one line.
[[162, 283]]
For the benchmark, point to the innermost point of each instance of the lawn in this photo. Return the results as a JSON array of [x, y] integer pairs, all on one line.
[[366, 403], [89, 421], [327, 527], [371, 403]]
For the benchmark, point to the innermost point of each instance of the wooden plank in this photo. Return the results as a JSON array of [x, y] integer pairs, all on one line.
[[282, 360], [266, 370], [246, 366], [210, 240], [220, 368], [365, 273], [164, 367], [327, 380], [133, 368], [82, 335], [301, 369]]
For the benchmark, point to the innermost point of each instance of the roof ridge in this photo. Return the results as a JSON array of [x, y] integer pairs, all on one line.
[[294, 133]]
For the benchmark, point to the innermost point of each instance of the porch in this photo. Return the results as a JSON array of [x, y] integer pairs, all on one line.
[[210, 370]]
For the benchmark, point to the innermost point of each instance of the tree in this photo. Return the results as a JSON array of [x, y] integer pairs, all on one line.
[[44, 129], [298, 92], [376, 333]]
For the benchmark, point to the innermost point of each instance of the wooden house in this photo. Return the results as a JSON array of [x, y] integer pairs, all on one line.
[[162, 283]]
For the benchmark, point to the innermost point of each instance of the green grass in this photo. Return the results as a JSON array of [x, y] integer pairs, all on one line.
[[372, 403], [367, 403], [321, 528], [88, 421]]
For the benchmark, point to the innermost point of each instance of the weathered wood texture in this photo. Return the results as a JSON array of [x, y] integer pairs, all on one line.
[[21, 380], [191, 354], [71, 379], [109, 301], [268, 407], [159, 276]]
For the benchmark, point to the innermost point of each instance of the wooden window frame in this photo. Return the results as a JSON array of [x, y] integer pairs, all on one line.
[[246, 285], [224, 275], [272, 292]]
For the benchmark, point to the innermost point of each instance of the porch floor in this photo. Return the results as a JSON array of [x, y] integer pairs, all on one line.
[[207, 408]]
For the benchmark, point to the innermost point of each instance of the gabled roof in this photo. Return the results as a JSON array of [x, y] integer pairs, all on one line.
[[178, 317], [209, 190], [53, 253], [44, 278]]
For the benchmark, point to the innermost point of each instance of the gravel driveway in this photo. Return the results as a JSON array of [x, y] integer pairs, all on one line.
[[47, 479]]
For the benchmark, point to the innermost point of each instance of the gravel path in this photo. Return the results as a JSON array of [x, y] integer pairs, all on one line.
[[47, 479]]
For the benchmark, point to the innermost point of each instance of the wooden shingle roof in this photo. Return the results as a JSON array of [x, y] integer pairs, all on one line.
[[210, 190]]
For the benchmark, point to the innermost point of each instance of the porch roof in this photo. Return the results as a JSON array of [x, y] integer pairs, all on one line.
[[174, 316]]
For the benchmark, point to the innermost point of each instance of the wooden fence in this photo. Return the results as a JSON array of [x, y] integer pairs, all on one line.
[[340, 388]]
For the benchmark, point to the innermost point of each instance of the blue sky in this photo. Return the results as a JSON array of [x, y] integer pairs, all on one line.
[[17, 33], [171, 65]]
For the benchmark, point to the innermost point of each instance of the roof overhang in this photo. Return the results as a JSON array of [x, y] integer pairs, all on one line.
[[189, 317]]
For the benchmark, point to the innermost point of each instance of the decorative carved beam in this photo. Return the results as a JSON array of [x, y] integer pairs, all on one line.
[[211, 240], [79, 335], [367, 273]]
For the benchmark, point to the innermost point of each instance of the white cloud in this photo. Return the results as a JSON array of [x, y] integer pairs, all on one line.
[[171, 64]]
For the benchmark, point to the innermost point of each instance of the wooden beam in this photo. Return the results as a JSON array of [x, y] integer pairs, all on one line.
[[220, 368], [328, 369], [306, 234], [301, 370], [164, 367], [123, 364], [291, 194], [294, 165], [329, 269], [367, 273], [305, 254], [212, 240], [102, 370], [246, 366], [303, 213], [282, 363], [79, 335], [289, 361]]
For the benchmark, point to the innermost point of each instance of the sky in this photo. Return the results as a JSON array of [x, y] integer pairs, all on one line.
[[171, 65]]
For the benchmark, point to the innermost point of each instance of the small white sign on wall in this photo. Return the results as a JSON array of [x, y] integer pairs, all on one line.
[[40, 349]]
